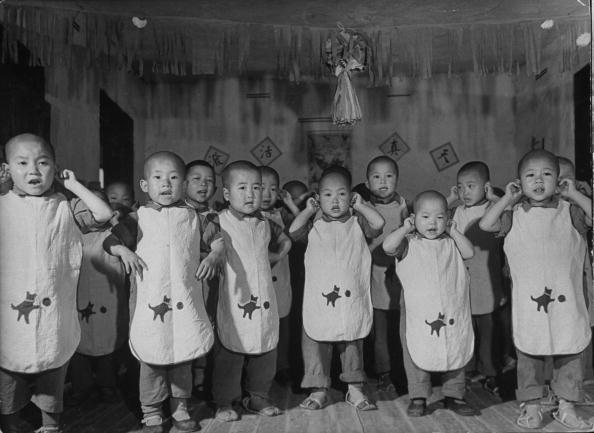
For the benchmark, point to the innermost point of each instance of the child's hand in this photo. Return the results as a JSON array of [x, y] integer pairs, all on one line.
[[567, 188], [302, 198], [583, 187], [409, 224], [513, 191], [69, 179], [356, 200], [489, 193], [312, 205], [451, 226], [133, 264], [5, 179], [208, 268], [453, 195], [286, 197]]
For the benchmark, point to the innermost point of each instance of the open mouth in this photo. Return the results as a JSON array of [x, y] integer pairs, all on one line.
[[34, 182], [539, 190], [432, 231], [166, 193]]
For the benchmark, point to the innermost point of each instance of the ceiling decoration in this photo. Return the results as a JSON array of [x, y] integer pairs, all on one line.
[[289, 39]]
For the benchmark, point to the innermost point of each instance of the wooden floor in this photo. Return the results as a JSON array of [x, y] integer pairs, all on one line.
[[496, 416]]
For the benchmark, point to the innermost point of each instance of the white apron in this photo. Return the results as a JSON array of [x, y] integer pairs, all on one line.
[[485, 266], [385, 294], [436, 300], [281, 275], [40, 256], [546, 260], [101, 298], [169, 323], [336, 296], [247, 314]]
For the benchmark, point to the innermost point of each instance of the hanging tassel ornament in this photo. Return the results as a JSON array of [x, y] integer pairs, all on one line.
[[350, 55]]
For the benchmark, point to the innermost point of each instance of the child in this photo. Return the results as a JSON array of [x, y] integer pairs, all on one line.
[[169, 326], [545, 252], [382, 179], [298, 192], [40, 256], [200, 188], [281, 276], [247, 313], [120, 195], [103, 316], [475, 192], [435, 322], [337, 309]]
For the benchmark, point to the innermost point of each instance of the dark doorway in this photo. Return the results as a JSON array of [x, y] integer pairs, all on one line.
[[583, 120], [22, 99], [116, 135]]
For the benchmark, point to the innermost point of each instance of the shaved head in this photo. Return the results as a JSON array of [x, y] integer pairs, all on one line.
[[430, 195], [161, 156], [30, 138]]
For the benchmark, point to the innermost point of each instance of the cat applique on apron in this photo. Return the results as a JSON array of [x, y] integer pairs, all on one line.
[[247, 314], [385, 288], [169, 323], [281, 274], [485, 266], [337, 298], [435, 287], [546, 260], [40, 257], [101, 298]]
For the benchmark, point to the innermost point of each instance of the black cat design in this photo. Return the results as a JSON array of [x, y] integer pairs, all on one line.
[[543, 300], [86, 312], [332, 296], [437, 324], [250, 307], [25, 307], [161, 309]]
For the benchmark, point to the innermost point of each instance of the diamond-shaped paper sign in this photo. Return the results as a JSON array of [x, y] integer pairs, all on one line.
[[217, 158], [394, 146], [266, 151], [444, 156]]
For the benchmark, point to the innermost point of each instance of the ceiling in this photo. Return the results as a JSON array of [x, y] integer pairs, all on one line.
[[326, 13]]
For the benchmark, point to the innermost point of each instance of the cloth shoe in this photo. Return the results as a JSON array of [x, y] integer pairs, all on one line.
[[417, 407]]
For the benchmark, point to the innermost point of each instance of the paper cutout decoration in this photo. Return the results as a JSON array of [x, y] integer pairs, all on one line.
[[217, 158], [444, 156], [394, 147], [266, 151]]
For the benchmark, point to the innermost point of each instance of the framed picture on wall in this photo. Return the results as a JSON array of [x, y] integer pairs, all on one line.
[[394, 146], [444, 156], [326, 148], [217, 158]]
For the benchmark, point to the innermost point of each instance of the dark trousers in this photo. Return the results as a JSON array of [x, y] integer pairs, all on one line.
[[87, 371], [482, 325], [566, 382], [385, 336], [228, 372], [284, 334], [317, 358]]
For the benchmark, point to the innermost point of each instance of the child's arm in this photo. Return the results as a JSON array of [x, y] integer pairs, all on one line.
[[304, 216], [373, 217], [288, 201], [99, 209], [569, 191], [283, 247], [490, 221], [490, 193], [133, 264], [394, 239], [462, 243], [209, 267]]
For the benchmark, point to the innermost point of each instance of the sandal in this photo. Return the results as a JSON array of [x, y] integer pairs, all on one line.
[[566, 415], [362, 404], [384, 383], [315, 401], [530, 416], [269, 410], [226, 414]]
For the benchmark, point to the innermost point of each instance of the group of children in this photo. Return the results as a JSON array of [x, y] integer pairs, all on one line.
[[215, 289]]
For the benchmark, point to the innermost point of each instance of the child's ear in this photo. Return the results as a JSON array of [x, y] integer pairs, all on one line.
[[5, 166], [143, 185], [226, 194], [316, 196], [367, 184]]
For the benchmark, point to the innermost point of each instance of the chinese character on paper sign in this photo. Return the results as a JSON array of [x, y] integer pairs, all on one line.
[[394, 146], [217, 158], [444, 156], [535, 143], [266, 151]]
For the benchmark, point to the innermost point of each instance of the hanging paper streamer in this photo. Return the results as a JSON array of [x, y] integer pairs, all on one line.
[[350, 54]]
